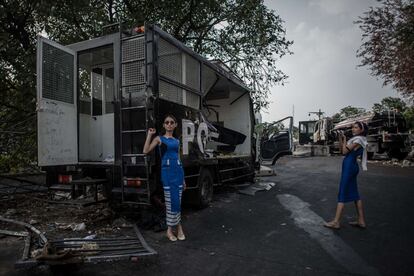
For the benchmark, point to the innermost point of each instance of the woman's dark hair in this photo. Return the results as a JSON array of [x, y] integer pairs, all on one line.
[[171, 116], [362, 126]]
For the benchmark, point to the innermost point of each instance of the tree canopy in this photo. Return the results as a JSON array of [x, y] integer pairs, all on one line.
[[346, 112], [245, 34], [390, 103], [388, 43]]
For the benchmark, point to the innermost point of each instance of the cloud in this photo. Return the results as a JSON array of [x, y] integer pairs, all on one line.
[[323, 70], [336, 7]]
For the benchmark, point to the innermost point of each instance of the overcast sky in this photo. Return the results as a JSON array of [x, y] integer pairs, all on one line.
[[323, 70]]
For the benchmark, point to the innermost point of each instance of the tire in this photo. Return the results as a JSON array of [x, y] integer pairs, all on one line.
[[397, 153], [370, 155], [205, 188]]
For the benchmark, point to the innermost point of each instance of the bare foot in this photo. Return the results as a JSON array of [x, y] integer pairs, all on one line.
[[180, 233], [332, 224], [171, 236], [361, 225]]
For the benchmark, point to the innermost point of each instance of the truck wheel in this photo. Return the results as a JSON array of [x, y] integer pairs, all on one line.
[[397, 153], [370, 155], [205, 188]]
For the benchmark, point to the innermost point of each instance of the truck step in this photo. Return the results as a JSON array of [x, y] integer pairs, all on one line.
[[134, 131], [130, 190], [89, 181], [61, 187]]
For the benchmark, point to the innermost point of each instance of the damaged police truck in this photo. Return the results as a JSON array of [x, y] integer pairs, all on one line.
[[97, 98]]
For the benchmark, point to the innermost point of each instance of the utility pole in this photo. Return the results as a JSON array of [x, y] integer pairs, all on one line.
[[319, 113]]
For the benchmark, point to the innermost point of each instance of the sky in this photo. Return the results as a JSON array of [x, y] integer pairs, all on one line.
[[323, 71]]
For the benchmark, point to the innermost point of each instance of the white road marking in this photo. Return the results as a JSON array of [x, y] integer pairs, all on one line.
[[333, 245]]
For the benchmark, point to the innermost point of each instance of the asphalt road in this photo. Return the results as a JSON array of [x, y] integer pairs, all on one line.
[[279, 232]]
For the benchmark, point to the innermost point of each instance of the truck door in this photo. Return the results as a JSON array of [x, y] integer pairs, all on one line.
[[277, 141], [56, 104]]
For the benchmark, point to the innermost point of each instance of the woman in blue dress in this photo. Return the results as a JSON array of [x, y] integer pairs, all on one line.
[[172, 174], [348, 189]]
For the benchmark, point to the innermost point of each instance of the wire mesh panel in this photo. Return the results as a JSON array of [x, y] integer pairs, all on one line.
[[170, 92], [133, 49], [209, 78], [170, 61], [192, 72], [133, 73], [192, 100], [57, 75]]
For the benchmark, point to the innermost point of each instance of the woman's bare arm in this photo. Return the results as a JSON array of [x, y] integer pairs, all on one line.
[[150, 145], [347, 148]]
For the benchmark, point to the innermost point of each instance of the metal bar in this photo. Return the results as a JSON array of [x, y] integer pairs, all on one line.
[[97, 240], [114, 257], [134, 131], [133, 60], [134, 84], [14, 233], [26, 249], [132, 37], [133, 107], [233, 178], [137, 203], [108, 249], [42, 237], [133, 154], [239, 97], [143, 242], [233, 169], [180, 85], [103, 245]]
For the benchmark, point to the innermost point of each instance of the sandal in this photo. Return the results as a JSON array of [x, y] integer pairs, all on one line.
[[172, 237], [181, 237], [332, 225], [357, 224]]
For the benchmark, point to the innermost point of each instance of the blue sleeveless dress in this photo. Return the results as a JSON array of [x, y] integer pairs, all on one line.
[[348, 189], [172, 178]]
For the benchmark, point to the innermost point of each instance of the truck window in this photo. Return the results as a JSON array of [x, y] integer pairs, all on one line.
[[84, 91], [97, 83], [109, 90]]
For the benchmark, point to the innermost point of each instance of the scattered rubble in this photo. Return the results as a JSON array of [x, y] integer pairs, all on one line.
[[259, 186]]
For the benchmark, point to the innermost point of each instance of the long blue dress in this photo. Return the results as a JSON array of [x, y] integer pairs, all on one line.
[[172, 178], [348, 189]]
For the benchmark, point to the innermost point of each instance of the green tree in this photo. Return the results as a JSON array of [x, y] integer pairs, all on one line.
[[347, 112], [409, 117], [390, 103], [245, 34], [388, 43]]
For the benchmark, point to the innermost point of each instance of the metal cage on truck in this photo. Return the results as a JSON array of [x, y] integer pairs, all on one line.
[[97, 98]]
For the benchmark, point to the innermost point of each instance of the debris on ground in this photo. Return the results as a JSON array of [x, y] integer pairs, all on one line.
[[64, 231], [259, 186], [394, 163]]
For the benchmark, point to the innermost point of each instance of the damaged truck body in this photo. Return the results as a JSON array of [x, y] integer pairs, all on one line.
[[387, 133], [97, 98]]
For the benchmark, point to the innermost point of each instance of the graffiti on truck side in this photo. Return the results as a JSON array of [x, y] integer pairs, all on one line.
[[190, 132]]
